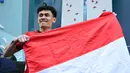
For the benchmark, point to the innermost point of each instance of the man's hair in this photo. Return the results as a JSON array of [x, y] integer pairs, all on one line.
[[44, 6]]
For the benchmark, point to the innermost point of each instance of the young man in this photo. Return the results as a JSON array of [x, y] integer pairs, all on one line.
[[46, 17]]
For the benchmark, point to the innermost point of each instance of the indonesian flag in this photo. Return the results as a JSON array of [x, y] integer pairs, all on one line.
[[94, 46]]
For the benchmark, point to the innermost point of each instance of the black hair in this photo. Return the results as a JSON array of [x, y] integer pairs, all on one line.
[[44, 6]]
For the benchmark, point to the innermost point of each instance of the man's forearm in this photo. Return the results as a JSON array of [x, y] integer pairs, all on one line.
[[10, 49]]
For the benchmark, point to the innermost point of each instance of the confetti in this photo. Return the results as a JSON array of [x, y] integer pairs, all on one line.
[[96, 2], [76, 13], [67, 4], [70, 5], [92, 0], [74, 19], [68, 10], [94, 7]]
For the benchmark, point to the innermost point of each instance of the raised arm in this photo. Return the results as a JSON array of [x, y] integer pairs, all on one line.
[[15, 45]]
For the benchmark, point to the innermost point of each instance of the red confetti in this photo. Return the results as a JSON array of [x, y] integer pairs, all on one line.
[[68, 10], [74, 19], [94, 7], [92, 0]]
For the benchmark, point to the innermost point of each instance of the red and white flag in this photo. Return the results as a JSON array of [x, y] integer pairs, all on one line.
[[94, 46]]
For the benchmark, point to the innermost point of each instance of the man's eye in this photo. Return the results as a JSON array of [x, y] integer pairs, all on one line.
[[46, 15], [40, 15]]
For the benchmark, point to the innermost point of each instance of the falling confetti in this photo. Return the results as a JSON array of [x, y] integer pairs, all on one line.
[[96, 2], [67, 4], [92, 0], [68, 10], [70, 5], [94, 7], [74, 19], [76, 13]]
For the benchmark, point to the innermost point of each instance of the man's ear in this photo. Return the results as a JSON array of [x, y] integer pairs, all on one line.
[[54, 20]]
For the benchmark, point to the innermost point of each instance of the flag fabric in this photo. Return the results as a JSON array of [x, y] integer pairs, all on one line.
[[94, 46]]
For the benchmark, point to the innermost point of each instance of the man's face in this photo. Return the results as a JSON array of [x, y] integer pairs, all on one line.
[[45, 19]]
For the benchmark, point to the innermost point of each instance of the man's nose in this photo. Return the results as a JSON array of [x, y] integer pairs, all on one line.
[[43, 16]]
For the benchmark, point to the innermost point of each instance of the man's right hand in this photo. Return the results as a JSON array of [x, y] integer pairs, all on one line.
[[21, 39]]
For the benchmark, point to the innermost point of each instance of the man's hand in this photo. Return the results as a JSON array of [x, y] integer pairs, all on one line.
[[21, 39], [11, 48]]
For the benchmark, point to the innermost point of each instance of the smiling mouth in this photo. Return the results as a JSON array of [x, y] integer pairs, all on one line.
[[42, 21]]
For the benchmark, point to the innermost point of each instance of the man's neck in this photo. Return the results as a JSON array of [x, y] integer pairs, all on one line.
[[44, 29]]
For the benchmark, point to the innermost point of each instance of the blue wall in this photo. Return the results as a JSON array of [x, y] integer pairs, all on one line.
[[13, 17], [122, 8]]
